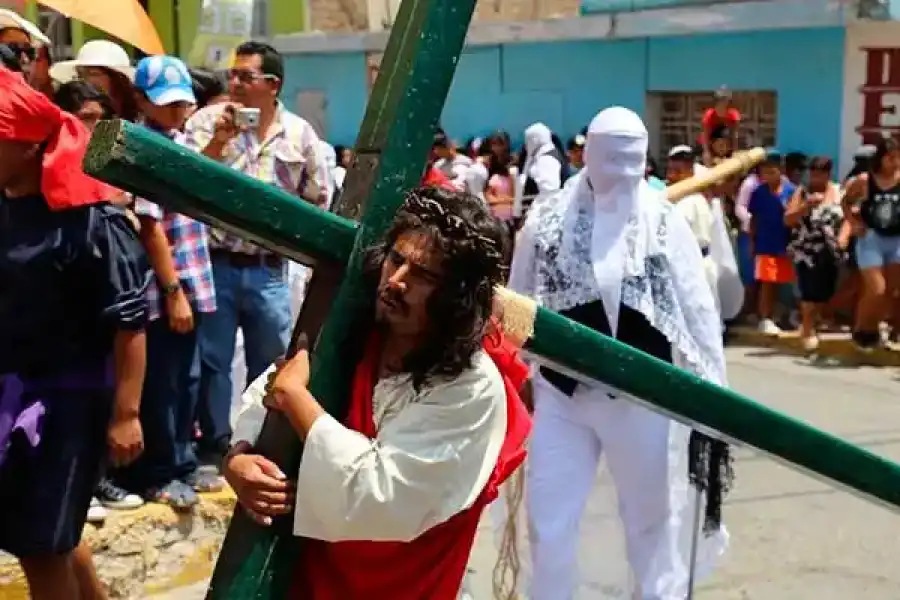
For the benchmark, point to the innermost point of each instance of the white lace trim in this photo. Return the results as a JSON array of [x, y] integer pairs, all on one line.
[[563, 277]]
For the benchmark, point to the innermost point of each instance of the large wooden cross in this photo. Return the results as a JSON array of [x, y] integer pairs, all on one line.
[[425, 43]]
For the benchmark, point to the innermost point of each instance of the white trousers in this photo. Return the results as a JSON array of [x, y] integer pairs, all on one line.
[[568, 438]]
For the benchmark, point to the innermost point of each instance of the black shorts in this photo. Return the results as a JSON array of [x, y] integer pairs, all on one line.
[[45, 492], [817, 283]]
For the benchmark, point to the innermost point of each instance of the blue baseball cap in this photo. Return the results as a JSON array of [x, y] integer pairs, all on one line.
[[165, 80]]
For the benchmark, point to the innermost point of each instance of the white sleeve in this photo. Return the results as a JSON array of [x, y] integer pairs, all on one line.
[[546, 174], [428, 463], [252, 413]]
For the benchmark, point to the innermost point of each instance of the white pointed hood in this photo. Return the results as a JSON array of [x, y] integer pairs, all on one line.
[[615, 157]]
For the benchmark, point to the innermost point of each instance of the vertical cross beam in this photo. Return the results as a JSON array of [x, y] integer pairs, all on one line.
[[394, 140]]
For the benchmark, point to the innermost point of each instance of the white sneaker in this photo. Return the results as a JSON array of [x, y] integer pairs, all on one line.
[[811, 343], [768, 327], [96, 512]]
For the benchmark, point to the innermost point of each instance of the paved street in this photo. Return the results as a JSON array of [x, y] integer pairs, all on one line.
[[793, 538]]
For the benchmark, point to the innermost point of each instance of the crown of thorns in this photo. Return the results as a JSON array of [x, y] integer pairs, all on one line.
[[452, 226]]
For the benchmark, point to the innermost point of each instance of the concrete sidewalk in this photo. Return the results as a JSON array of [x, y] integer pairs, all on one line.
[[832, 346]]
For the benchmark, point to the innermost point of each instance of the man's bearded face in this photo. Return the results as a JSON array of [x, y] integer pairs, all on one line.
[[411, 272]]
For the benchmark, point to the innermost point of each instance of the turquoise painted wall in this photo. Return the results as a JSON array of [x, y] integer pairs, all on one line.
[[342, 76], [564, 84], [804, 67]]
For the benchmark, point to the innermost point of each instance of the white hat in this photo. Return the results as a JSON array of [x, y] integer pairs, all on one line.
[[96, 53], [12, 20], [681, 149]]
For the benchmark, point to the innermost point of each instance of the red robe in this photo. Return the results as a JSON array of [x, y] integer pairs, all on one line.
[[433, 565]]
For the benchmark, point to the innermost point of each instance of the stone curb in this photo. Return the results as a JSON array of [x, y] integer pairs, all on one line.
[[146, 551], [831, 346]]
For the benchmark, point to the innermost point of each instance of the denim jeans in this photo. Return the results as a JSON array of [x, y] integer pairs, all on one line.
[[168, 406], [257, 300]]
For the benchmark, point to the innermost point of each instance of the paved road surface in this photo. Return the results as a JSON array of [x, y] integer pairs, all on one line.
[[793, 538]]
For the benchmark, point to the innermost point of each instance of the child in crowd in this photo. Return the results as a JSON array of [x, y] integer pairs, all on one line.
[[770, 237]]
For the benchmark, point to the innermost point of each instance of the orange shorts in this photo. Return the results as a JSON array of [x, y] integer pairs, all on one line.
[[774, 269]]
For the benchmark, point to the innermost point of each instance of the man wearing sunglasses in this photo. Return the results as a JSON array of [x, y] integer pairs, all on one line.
[[256, 134]]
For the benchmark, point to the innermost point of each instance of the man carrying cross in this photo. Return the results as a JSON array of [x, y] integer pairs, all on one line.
[[614, 255], [390, 499]]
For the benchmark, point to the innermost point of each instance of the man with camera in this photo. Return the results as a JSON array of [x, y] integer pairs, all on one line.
[[255, 134]]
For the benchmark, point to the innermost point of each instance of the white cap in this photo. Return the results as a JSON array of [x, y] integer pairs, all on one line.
[[95, 53], [681, 149], [13, 20]]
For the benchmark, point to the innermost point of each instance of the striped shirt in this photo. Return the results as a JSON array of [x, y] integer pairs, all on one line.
[[190, 252], [287, 158]]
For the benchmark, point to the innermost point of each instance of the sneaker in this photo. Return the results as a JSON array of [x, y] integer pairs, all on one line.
[[114, 497], [768, 327], [96, 512], [811, 343]]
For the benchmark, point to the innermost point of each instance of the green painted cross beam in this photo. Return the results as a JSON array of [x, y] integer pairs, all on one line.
[[394, 140]]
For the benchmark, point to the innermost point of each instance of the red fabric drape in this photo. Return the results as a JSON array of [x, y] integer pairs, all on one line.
[[26, 115]]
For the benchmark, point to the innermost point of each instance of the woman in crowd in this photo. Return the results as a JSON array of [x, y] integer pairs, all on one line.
[[872, 206], [106, 66], [814, 215], [500, 189]]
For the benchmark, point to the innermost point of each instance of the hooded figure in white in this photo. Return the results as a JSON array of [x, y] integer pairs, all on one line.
[[542, 171], [614, 255]]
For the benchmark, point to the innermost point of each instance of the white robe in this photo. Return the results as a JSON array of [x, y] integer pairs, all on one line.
[[696, 209], [707, 222], [434, 453], [540, 165], [631, 249]]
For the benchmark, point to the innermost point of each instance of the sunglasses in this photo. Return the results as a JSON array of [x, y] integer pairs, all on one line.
[[245, 76], [20, 50]]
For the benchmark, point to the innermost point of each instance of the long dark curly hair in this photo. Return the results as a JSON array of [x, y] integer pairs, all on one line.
[[473, 246]]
